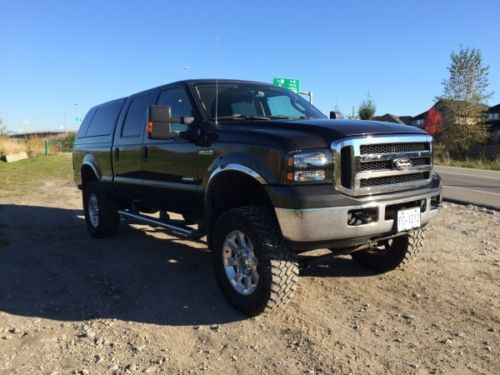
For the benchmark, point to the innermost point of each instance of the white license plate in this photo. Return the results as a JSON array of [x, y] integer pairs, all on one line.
[[408, 219]]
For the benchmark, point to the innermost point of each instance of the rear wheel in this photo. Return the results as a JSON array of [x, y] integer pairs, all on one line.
[[392, 254], [253, 265], [101, 211]]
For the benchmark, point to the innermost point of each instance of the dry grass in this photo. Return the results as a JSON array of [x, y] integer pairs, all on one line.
[[34, 145], [475, 163], [10, 146]]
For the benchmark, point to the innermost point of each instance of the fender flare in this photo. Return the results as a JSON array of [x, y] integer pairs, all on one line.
[[89, 161], [233, 167]]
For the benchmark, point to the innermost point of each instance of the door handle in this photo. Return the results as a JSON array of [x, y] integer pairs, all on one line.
[[117, 153], [144, 152]]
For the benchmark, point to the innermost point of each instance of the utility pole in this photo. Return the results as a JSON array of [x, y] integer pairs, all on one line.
[[65, 116]]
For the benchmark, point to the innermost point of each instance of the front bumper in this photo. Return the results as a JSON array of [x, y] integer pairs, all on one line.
[[331, 223]]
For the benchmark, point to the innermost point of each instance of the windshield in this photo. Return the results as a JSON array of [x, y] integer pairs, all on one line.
[[251, 101]]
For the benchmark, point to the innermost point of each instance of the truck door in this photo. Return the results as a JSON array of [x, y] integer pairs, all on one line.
[[127, 148], [170, 166]]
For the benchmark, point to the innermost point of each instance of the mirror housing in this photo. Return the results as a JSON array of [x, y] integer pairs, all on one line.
[[160, 122], [335, 115]]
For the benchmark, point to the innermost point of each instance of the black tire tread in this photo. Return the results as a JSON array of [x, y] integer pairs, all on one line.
[[284, 262], [109, 219], [403, 251], [415, 244]]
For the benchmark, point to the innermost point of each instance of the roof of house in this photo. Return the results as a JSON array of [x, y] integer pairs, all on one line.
[[494, 109], [389, 118], [406, 119]]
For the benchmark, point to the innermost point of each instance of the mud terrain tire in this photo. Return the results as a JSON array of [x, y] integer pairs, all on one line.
[[396, 254], [101, 211], [275, 267]]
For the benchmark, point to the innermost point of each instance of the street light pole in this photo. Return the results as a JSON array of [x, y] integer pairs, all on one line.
[[65, 116], [309, 94]]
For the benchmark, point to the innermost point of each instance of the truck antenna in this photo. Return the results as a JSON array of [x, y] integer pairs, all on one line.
[[217, 80]]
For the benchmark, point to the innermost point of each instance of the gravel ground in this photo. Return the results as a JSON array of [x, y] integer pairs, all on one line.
[[143, 302]]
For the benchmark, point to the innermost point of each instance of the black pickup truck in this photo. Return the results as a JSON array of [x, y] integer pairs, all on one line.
[[262, 174]]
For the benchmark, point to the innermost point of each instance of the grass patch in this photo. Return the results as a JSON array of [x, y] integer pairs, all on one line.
[[4, 242], [493, 165], [26, 175]]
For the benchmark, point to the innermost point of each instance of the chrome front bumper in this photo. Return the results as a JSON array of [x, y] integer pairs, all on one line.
[[330, 223]]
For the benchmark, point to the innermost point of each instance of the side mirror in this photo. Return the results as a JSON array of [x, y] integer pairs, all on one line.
[[335, 115], [160, 122]]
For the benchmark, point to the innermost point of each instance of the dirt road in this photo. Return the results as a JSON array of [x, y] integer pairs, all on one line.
[[141, 303]]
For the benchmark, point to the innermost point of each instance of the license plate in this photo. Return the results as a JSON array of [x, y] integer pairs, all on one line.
[[408, 219]]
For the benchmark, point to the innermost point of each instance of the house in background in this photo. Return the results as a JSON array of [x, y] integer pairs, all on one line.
[[389, 118], [493, 120]]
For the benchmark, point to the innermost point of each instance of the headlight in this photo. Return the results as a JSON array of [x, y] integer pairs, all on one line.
[[309, 167]]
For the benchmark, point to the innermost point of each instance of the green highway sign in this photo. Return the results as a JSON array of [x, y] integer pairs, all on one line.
[[289, 83], [78, 119]]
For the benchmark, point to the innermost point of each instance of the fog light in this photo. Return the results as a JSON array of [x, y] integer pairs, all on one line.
[[318, 175]]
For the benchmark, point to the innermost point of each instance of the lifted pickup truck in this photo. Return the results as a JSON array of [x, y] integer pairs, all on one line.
[[262, 174]]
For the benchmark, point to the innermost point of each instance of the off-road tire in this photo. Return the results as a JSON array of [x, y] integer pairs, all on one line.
[[277, 265], [401, 251], [108, 218]]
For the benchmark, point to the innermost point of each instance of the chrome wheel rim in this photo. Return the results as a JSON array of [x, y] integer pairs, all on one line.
[[240, 262], [93, 210]]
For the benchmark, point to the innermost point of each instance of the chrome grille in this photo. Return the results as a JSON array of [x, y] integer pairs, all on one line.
[[387, 164], [365, 166], [390, 180], [392, 148]]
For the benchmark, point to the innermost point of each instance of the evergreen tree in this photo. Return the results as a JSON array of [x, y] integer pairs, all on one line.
[[366, 109]]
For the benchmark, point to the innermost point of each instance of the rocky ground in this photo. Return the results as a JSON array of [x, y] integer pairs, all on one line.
[[143, 302]]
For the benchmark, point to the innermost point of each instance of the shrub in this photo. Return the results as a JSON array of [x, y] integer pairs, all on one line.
[[10, 145]]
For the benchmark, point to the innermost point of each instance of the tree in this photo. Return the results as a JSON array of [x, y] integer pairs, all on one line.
[[464, 101], [433, 122], [366, 109], [353, 115], [3, 128]]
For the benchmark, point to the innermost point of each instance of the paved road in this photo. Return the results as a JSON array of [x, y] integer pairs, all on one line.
[[471, 185]]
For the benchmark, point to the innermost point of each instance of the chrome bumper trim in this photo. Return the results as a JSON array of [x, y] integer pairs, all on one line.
[[330, 223]]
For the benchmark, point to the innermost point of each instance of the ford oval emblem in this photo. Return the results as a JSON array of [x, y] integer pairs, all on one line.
[[402, 164]]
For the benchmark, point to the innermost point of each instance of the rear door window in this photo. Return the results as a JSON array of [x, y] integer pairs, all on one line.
[[86, 122], [136, 119], [104, 119]]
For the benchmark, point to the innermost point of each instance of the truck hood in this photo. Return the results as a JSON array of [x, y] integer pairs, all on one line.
[[319, 133]]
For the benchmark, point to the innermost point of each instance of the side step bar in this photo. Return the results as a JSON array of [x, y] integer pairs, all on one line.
[[175, 229]]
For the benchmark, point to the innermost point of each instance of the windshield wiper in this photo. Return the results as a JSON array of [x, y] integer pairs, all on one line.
[[284, 117], [242, 117]]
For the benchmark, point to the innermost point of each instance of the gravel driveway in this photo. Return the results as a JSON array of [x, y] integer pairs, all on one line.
[[143, 302]]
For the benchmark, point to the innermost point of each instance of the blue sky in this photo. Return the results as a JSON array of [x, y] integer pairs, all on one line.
[[57, 53]]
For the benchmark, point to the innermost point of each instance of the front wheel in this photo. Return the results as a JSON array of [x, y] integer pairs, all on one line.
[[101, 211], [392, 254], [253, 265]]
